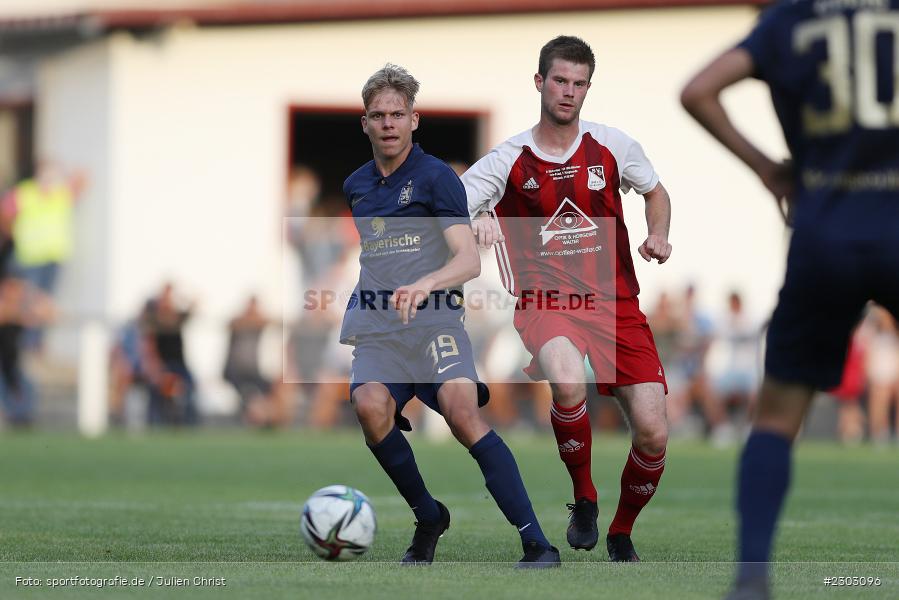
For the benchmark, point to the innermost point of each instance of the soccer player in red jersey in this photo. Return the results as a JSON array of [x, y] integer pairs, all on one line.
[[550, 199]]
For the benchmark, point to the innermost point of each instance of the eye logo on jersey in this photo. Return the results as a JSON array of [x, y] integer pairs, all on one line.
[[596, 177], [569, 223], [569, 220], [406, 194], [378, 226]]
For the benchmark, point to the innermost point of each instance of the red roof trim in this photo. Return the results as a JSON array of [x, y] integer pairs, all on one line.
[[338, 10]]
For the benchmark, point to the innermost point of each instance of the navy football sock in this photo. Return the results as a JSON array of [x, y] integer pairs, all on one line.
[[395, 456], [763, 481], [504, 483]]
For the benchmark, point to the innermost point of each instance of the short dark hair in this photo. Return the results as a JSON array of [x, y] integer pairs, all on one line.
[[566, 47]]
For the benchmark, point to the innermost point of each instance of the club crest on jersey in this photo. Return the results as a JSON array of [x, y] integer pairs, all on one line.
[[596, 177], [569, 223], [406, 194]]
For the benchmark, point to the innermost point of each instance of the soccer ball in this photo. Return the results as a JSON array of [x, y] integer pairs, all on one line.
[[338, 523]]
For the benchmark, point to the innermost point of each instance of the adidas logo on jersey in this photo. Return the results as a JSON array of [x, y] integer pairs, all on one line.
[[643, 490], [571, 446], [530, 184]]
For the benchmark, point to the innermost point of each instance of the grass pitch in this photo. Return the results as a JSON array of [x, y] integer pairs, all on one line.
[[225, 507]]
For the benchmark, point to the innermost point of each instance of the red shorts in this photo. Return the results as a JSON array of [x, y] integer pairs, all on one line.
[[621, 350]]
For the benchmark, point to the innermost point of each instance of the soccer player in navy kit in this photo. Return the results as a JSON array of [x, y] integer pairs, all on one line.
[[832, 70], [405, 318]]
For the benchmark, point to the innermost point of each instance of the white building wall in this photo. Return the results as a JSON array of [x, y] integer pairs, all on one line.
[[197, 130], [202, 135]]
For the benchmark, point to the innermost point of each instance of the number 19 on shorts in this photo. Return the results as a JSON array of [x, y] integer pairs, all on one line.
[[443, 347]]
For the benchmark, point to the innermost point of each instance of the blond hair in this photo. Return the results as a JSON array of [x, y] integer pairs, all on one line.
[[393, 77]]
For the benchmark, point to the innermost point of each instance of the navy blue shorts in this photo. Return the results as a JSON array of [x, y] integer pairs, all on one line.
[[828, 282], [415, 363]]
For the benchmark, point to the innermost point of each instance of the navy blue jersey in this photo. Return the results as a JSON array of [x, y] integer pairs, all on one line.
[[401, 219], [833, 69]]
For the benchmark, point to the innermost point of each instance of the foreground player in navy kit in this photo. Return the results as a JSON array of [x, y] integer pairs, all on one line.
[[831, 69], [405, 318]]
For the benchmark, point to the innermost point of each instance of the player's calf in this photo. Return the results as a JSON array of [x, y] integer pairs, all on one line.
[[459, 405]]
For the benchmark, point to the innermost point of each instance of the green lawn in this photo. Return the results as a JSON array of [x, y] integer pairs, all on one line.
[[227, 505]]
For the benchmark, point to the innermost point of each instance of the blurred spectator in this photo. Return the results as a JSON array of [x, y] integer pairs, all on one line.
[[693, 348], [315, 227], [667, 326], [21, 306], [882, 366], [321, 362], [127, 364], [172, 388], [692, 334], [262, 401], [38, 213], [737, 344], [7, 250], [322, 232], [850, 418]]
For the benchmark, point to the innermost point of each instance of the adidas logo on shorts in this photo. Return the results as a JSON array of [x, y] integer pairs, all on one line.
[[571, 446], [530, 184]]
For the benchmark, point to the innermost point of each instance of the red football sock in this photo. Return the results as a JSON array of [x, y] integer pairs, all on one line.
[[572, 429], [639, 480]]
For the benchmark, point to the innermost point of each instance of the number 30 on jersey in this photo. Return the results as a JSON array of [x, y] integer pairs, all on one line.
[[850, 71]]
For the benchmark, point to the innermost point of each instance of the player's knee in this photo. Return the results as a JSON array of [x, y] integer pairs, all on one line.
[[371, 405], [653, 441], [569, 393]]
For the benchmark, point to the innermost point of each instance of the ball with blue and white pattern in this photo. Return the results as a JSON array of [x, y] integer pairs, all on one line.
[[338, 523]]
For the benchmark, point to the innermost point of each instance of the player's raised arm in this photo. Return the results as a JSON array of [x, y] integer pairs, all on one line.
[[658, 222], [701, 98]]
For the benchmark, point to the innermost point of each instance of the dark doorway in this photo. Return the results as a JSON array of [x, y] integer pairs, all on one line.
[[331, 142], [16, 142]]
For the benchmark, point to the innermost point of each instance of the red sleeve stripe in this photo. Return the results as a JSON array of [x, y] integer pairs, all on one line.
[[502, 259]]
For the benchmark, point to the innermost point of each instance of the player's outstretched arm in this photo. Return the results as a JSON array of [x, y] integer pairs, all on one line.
[[658, 222], [701, 99], [464, 265]]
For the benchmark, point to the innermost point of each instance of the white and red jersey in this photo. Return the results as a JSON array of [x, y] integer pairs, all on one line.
[[555, 211]]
